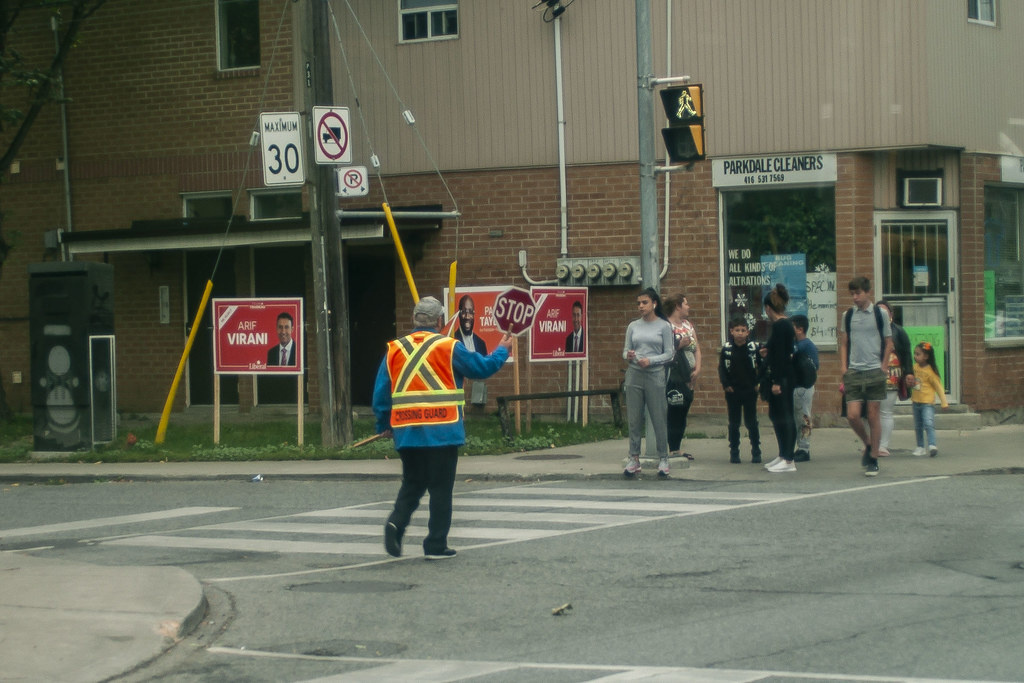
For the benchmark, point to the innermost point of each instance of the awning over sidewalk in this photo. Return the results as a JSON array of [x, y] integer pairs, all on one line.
[[207, 233]]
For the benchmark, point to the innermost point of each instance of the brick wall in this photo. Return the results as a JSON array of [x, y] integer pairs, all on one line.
[[993, 378]]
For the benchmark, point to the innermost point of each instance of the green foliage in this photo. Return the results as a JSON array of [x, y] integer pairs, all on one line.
[[267, 440], [15, 438], [800, 221]]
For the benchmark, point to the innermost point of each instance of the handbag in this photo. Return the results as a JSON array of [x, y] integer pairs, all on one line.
[[677, 384], [902, 390]]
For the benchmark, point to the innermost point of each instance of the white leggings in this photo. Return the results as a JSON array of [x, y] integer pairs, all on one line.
[[886, 407]]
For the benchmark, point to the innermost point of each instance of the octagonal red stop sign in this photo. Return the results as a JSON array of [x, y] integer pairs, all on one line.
[[514, 310]]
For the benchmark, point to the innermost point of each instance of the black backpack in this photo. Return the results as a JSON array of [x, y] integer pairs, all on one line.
[[677, 384], [806, 373]]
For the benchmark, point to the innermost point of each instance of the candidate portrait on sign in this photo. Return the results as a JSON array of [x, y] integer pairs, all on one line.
[[467, 320], [574, 342], [283, 353]]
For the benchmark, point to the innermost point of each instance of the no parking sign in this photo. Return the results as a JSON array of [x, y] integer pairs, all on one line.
[[352, 181]]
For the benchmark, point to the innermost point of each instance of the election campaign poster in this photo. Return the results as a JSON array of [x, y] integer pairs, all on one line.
[[257, 336], [559, 330], [473, 321]]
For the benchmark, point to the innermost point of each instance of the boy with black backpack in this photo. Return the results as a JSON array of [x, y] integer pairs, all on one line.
[[739, 370], [805, 363]]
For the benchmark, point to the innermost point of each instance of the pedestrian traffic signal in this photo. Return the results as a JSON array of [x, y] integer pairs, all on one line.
[[684, 108]]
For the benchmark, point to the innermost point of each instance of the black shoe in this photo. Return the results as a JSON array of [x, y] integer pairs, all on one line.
[[866, 459], [734, 459], [392, 540], [756, 459], [441, 554], [801, 455], [872, 470]]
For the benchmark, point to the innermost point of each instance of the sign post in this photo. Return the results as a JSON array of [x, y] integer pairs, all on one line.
[[258, 337], [514, 310], [331, 133], [281, 139], [352, 181]]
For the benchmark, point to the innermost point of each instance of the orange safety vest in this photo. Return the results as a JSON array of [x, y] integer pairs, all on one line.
[[423, 390]]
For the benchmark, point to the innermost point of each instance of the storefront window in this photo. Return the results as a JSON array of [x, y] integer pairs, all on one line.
[[788, 236], [1004, 263]]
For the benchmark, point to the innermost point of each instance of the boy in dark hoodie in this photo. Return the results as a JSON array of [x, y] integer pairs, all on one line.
[[739, 369]]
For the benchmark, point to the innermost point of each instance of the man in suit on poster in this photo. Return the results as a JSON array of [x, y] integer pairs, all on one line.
[[283, 353], [574, 342]]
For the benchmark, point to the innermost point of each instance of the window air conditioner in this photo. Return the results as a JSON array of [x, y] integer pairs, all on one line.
[[922, 192]]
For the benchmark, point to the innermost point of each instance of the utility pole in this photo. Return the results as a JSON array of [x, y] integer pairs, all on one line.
[[650, 263], [330, 296]]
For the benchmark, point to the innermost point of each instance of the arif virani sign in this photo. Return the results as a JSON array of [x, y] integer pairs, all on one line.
[[257, 336]]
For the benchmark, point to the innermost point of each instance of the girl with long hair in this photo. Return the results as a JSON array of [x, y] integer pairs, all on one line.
[[927, 385], [648, 349], [778, 353]]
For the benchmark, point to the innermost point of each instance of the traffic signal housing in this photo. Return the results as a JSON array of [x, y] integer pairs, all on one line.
[[684, 108]]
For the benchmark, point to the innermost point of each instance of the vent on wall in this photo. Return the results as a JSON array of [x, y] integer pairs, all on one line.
[[922, 192]]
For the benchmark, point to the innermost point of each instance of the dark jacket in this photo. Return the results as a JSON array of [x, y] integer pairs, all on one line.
[[739, 367]]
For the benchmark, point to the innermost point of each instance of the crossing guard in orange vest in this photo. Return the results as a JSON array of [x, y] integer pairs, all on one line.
[[418, 400]]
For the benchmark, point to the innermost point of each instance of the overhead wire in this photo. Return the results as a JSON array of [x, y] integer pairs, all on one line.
[[407, 115], [253, 139]]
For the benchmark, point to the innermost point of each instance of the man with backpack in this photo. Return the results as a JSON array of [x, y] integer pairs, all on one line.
[[805, 364], [865, 345]]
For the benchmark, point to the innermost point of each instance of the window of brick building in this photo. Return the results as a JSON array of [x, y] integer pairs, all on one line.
[[1004, 263], [982, 11], [787, 236], [275, 205], [428, 20], [238, 34], [210, 205]]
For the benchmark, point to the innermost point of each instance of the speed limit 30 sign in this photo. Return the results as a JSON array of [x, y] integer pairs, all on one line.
[[281, 139]]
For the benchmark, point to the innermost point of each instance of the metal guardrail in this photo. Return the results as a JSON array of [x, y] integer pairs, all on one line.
[[503, 401]]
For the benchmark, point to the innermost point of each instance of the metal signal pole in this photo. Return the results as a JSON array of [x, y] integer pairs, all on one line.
[[650, 264]]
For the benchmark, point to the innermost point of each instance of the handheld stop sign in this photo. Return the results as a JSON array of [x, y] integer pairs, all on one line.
[[514, 310]]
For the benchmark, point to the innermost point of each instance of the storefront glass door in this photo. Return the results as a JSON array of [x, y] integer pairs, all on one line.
[[917, 273]]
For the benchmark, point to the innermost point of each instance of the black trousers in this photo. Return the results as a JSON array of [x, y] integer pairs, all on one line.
[[743, 403], [427, 469], [677, 425], [780, 410]]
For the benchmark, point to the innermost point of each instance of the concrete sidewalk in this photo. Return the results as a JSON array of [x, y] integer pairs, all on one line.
[[71, 621]]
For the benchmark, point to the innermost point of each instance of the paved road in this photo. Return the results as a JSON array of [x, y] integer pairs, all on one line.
[[286, 547]]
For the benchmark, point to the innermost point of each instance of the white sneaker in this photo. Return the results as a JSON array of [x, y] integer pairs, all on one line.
[[782, 466], [773, 463], [663, 467], [919, 451], [933, 450], [632, 466]]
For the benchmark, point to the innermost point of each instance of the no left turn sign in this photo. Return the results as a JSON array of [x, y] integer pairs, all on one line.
[[331, 135]]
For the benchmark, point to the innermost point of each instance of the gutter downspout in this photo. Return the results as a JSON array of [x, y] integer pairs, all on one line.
[[64, 136], [562, 193]]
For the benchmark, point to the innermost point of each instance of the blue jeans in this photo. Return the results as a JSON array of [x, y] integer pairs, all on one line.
[[924, 423]]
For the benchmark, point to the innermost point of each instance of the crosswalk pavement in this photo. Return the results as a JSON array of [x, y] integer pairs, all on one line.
[[375, 670], [483, 518]]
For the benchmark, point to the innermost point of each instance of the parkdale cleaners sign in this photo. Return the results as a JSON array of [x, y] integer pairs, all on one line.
[[783, 169]]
